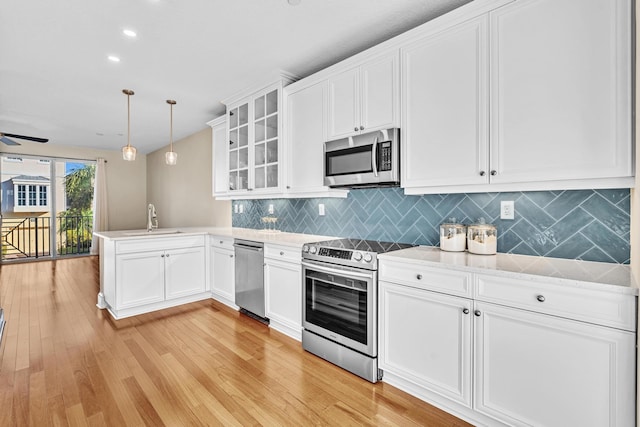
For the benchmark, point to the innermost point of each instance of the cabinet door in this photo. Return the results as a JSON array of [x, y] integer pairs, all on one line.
[[380, 94], [344, 104], [305, 110], [139, 279], [561, 90], [425, 337], [223, 271], [238, 137], [445, 122], [534, 369], [265, 140], [220, 160], [283, 293], [185, 272]]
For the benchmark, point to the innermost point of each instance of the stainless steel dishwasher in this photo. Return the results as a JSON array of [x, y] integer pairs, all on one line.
[[250, 278]]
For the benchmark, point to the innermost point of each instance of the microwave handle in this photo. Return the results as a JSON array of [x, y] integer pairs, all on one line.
[[374, 156]]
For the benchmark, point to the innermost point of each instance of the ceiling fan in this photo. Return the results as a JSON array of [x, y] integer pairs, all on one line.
[[4, 138]]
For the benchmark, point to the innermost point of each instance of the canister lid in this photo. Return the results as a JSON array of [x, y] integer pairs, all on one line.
[[482, 225]]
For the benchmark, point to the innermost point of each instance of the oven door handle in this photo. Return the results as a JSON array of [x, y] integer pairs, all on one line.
[[336, 271]]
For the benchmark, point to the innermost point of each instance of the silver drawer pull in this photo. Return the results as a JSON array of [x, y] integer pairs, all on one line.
[[477, 313], [419, 277], [465, 310], [540, 298]]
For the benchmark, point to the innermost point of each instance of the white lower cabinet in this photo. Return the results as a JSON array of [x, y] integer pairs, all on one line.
[[534, 369], [223, 276], [283, 289], [153, 273], [140, 279], [496, 358], [425, 338]]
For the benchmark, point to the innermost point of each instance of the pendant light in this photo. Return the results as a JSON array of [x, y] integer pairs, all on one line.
[[128, 152], [171, 156]]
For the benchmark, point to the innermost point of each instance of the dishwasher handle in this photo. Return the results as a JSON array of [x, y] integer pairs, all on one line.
[[247, 247]]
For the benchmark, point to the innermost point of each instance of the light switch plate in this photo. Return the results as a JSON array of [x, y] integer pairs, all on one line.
[[321, 209], [507, 209], [241, 208], [270, 209]]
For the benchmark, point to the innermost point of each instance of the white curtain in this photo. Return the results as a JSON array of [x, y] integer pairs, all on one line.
[[100, 216]]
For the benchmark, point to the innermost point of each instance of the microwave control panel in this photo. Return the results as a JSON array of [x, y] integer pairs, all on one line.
[[384, 156]]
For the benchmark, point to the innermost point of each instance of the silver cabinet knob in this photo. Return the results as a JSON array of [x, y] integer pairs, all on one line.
[[162, 256], [482, 173], [477, 313], [167, 255], [221, 241], [419, 276], [361, 127], [494, 173], [281, 252], [465, 310], [540, 298], [230, 256], [355, 128]]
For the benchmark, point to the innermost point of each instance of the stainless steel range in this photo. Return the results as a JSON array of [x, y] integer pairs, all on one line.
[[340, 297]]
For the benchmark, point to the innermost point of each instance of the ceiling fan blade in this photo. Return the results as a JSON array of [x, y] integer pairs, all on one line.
[[8, 141], [28, 138]]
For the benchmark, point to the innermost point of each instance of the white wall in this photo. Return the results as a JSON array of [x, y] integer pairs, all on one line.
[[126, 181], [182, 193]]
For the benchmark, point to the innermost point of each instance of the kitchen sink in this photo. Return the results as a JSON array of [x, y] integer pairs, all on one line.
[[152, 233]]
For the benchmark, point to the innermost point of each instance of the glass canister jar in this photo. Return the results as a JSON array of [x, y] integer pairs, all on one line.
[[453, 236], [482, 238]]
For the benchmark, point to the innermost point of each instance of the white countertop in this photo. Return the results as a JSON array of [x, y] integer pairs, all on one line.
[[595, 275], [277, 237]]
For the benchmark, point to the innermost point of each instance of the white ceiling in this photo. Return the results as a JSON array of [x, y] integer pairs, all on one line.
[[56, 81]]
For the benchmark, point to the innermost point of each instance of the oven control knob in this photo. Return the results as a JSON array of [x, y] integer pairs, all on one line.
[[367, 258], [313, 250], [305, 248], [357, 256]]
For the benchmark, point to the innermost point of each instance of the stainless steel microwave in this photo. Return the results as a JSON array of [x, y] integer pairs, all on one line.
[[363, 161]]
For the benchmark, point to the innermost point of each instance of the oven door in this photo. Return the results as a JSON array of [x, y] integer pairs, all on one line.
[[340, 304]]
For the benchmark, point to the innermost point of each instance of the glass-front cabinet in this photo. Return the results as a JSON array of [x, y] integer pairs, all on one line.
[[254, 124]]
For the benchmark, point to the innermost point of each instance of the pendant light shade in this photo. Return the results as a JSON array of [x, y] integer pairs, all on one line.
[[171, 157], [128, 152]]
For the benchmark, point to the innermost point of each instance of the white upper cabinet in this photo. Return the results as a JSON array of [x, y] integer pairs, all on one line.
[[561, 90], [364, 98], [220, 161], [254, 142], [305, 138], [533, 95], [445, 103]]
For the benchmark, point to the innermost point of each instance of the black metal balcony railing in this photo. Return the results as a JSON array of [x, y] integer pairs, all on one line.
[[30, 237]]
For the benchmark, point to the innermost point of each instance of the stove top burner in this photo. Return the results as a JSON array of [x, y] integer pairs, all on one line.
[[351, 252], [364, 245]]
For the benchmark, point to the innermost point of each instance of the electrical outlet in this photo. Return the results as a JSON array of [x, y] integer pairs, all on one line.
[[235, 208], [507, 210], [321, 209], [241, 208], [270, 209]]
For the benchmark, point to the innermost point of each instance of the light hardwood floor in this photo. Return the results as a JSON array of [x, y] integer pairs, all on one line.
[[65, 362]]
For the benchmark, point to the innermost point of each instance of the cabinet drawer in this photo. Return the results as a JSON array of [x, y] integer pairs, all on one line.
[[284, 253], [158, 243], [224, 242], [588, 305], [433, 279]]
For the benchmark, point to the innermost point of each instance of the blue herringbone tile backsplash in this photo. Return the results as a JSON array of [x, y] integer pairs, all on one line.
[[582, 224]]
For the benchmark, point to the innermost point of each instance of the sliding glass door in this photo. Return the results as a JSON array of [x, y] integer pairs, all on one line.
[[46, 207]]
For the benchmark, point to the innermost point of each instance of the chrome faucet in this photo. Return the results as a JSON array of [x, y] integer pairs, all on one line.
[[152, 218]]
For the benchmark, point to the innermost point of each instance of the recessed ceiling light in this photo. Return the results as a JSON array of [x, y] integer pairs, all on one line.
[[129, 33], [113, 58], [294, 2]]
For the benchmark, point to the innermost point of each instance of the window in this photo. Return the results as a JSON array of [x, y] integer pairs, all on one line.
[[32, 195], [43, 195], [22, 195]]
